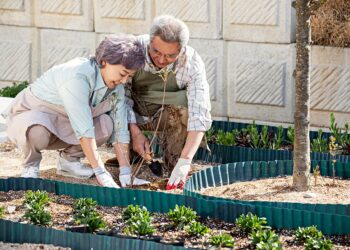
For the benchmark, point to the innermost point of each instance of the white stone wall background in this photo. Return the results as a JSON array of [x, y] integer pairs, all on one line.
[[247, 47]]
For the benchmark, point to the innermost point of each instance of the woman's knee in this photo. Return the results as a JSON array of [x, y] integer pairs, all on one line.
[[39, 136]]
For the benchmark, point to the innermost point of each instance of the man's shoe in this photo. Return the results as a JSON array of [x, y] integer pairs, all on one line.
[[73, 169], [31, 172]]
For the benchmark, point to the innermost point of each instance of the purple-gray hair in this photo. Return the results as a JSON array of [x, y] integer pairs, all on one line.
[[121, 49]]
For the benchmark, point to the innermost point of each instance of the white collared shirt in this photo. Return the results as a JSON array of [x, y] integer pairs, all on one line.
[[190, 75]]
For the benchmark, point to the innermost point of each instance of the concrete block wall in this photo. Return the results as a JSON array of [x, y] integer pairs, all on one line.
[[247, 46]]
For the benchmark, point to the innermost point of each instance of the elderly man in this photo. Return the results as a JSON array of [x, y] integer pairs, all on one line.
[[170, 95]]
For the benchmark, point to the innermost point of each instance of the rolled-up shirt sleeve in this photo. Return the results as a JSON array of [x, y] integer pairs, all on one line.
[[75, 94], [198, 97], [121, 132]]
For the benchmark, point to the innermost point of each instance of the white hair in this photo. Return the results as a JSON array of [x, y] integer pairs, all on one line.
[[170, 29]]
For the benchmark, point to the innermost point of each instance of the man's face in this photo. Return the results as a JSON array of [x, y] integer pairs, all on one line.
[[163, 53]]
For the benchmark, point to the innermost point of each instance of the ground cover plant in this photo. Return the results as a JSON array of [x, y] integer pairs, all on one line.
[[247, 232]]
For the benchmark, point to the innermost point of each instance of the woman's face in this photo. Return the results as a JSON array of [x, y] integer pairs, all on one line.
[[115, 74]]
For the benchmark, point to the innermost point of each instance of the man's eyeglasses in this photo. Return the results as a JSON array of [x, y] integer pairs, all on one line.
[[157, 53]]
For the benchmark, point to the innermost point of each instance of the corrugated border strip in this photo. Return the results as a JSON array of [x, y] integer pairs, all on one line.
[[228, 154], [27, 233], [330, 218], [154, 201]]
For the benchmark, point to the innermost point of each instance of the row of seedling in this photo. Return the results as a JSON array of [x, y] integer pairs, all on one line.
[[251, 136], [138, 222]]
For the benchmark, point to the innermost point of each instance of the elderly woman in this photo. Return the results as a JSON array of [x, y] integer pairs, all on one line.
[[76, 107]]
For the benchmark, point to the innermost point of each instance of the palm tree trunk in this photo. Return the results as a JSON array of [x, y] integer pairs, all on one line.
[[301, 168]]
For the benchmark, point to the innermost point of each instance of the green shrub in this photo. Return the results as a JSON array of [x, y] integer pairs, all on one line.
[[249, 223], [266, 238], [132, 210], [197, 229], [221, 240], [182, 216], [35, 203], [94, 222], [304, 233], [38, 197], [318, 244], [37, 215], [85, 213], [268, 246], [12, 91], [83, 208], [140, 225]]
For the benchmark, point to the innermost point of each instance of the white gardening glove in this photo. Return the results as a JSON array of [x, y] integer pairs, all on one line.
[[104, 178], [125, 177], [179, 174]]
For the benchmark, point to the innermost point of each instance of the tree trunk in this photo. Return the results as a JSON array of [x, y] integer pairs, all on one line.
[[301, 158]]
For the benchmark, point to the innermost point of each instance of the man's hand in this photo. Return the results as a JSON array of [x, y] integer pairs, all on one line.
[[140, 143], [179, 174]]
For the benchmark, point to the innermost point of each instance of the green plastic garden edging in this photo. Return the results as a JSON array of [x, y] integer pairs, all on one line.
[[229, 154], [330, 218], [154, 201]]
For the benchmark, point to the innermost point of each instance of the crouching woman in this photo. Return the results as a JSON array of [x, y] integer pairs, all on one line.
[[75, 107]]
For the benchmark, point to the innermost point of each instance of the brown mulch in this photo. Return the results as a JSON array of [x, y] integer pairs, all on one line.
[[330, 26], [280, 189]]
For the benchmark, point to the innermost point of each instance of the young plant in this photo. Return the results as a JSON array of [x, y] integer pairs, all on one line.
[[221, 240], [197, 229], [253, 135], [134, 210], [210, 134], [319, 144], [12, 91], [94, 222], [249, 223], [140, 225], [83, 208], [35, 203], [335, 130], [38, 197], [37, 215], [182, 216], [333, 149], [304, 233], [279, 138], [226, 138], [290, 135], [85, 213], [264, 135], [265, 238], [2, 209], [318, 243], [316, 173]]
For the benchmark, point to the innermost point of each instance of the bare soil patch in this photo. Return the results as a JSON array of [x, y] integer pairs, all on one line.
[[11, 159], [280, 189]]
